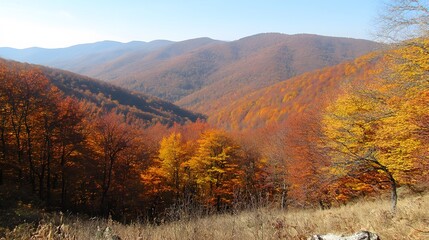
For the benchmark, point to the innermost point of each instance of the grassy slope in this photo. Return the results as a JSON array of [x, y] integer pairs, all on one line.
[[410, 222]]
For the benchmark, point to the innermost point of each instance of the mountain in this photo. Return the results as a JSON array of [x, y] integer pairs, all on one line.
[[203, 74], [308, 91], [80, 58], [267, 59], [108, 97]]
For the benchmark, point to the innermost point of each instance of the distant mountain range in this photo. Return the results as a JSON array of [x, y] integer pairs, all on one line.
[[107, 97], [79, 56], [203, 75]]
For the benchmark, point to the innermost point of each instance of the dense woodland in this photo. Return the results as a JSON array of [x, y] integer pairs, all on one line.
[[73, 156], [367, 132]]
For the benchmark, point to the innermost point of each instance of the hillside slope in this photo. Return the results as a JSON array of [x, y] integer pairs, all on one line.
[[262, 66], [277, 102], [219, 72], [201, 74], [109, 97]]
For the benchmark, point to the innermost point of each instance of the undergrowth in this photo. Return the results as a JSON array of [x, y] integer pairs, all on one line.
[[411, 221]]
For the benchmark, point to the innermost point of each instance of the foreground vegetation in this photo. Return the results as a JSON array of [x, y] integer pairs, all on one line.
[[410, 222]]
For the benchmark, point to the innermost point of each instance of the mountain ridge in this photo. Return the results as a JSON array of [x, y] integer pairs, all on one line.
[[204, 74], [107, 97], [275, 64]]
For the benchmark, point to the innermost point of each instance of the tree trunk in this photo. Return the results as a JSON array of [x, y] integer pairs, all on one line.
[[3, 153], [19, 152], [393, 186], [283, 196], [394, 194], [176, 184], [63, 190], [30, 155], [106, 185], [41, 181], [63, 178], [48, 176], [48, 142]]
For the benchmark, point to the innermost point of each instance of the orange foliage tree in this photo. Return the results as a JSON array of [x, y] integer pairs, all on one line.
[[109, 139]]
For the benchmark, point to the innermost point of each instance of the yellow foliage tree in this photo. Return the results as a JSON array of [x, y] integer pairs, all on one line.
[[366, 135], [172, 154], [216, 167], [408, 72], [375, 126]]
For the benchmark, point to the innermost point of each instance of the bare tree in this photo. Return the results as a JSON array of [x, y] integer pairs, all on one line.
[[403, 19]]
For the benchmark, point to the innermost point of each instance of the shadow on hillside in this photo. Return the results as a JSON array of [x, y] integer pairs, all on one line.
[[18, 208]]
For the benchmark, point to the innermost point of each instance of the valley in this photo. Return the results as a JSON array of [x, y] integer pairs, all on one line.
[[255, 136], [202, 74], [214, 119]]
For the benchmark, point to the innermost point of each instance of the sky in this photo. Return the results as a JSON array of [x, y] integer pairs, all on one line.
[[63, 23]]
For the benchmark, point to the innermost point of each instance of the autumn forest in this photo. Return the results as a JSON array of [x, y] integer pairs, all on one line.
[[349, 129]]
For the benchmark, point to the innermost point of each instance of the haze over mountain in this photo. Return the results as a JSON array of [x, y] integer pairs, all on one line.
[[108, 97], [201, 74], [79, 57]]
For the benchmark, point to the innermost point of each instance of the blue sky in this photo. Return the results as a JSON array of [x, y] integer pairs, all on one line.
[[62, 23]]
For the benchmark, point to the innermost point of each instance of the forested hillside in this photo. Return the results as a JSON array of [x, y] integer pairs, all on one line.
[[291, 97], [200, 74], [97, 94], [266, 59], [109, 97], [368, 134], [66, 137], [297, 134]]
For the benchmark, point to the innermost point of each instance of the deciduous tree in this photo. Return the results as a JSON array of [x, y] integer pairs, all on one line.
[[216, 169]]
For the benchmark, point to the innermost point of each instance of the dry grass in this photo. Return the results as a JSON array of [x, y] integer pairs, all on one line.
[[410, 222]]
